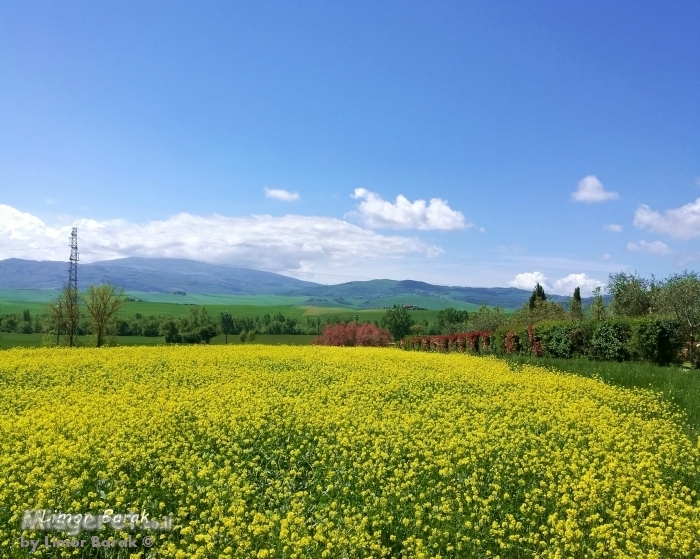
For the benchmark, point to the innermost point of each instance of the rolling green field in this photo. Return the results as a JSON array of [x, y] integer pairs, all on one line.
[[243, 306]]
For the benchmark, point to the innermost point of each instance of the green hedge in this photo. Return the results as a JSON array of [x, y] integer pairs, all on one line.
[[653, 339]]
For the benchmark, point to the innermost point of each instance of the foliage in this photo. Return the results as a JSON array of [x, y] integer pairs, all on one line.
[[351, 334], [228, 326], [65, 314], [450, 321], [356, 452], [597, 310], [102, 304], [140, 325], [609, 340], [473, 342], [248, 337], [657, 340], [538, 295], [487, 319], [539, 311], [397, 321], [575, 308], [680, 296], [631, 295]]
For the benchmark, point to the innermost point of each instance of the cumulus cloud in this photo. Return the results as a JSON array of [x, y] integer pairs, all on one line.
[[656, 247], [528, 280], [613, 227], [290, 242], [376, 213], [591, 190], [561, 286], [679, 223], [281, 194]]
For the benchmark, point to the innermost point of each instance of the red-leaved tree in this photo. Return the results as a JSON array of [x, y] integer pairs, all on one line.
[[353, 335]]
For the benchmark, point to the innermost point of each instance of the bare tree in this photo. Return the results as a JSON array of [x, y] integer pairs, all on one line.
[[102, 304], [65, 314]]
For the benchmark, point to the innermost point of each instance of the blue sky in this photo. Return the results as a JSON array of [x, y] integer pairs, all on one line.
[[171, 128]]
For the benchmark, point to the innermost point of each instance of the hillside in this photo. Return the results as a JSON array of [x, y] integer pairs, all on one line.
[[165, 275]]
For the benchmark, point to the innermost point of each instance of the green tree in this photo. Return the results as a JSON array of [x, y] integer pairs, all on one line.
[[575, 307], [65, 314], [398, 322], [451, 320], [487, 319], [228, 326], [598, 311], [680, 296], [538, 294], [102, 304], [631, 294], [198, 326]]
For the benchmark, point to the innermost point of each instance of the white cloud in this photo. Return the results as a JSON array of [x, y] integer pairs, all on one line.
[[679, 223], [562, 286], [375, 212], [591, 190], [613, 227], [656, 247], [281, 194], [528, 280], [566, 286], [290, 242], [606, 256]]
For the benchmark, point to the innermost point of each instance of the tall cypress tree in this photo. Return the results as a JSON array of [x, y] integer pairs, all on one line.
[[538, 294], [576, 312]]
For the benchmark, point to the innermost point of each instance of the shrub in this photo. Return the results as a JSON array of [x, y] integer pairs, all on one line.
[[609, 341], [658, 340], [351, 334], [563, 339]]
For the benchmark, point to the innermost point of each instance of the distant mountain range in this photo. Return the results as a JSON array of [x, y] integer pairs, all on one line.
[[166, 275]]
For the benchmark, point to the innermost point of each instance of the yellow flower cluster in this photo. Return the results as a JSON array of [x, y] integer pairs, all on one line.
[[295, 452]]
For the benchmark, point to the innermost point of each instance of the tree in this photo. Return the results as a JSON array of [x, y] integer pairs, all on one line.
[[65, 314], [102, 304], [170, 330], [227, 324], [680, 296], [538, 294], [197, 326], [598, 311], [451, 320], [397, 321], [575, 308], [631, 294], [487, 319]]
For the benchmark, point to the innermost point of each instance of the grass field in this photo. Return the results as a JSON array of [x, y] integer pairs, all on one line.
[[8, 341], [167, 304], [313, 452]]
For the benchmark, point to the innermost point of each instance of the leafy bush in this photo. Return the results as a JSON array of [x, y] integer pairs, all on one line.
[[564, 339], [609, 341], [351, 334], [658, 340]]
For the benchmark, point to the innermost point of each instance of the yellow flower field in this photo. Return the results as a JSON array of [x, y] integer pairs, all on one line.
[[293, 452]]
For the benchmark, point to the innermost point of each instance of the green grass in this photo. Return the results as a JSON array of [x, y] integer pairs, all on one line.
[[677, 385], [8, 341]]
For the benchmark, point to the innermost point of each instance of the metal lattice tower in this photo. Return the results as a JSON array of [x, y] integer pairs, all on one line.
[[73, 264]]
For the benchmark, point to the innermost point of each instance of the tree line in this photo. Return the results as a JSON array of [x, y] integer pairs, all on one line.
[[639, 317]]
